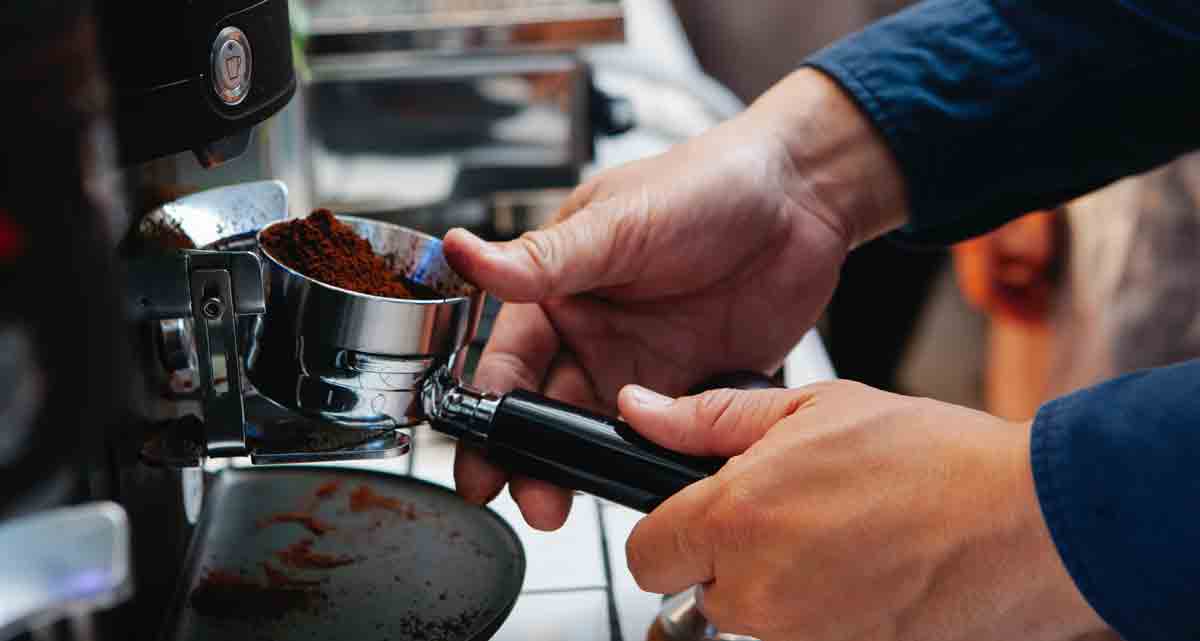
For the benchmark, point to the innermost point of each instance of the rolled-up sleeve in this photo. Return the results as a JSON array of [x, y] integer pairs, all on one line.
[[1117, 470], [994, 109]]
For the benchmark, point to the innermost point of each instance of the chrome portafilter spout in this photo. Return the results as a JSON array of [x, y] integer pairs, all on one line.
[[459, 411]]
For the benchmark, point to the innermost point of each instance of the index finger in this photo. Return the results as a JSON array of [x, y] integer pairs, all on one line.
[[522, 345], [519, 352]]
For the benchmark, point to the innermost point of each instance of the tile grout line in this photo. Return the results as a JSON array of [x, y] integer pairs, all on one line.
[[582, 588], [614, 620]]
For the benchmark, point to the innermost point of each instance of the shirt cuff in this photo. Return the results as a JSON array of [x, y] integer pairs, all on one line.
[[1115, 472]]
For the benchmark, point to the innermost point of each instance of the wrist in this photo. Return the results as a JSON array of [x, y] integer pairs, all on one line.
[[1053, 606], [844, 171]]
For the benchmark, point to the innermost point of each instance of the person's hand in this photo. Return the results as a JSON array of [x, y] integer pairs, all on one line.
[[715, 256], [847, 513]]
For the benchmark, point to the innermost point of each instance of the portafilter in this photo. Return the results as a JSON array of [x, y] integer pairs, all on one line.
[[365, 362]]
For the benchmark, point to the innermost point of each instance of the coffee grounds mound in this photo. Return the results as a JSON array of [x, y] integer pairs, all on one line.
[[325, 249]]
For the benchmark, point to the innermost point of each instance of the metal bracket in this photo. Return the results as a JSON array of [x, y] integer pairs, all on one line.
[[212, 289], [158, 287], [204, 302]]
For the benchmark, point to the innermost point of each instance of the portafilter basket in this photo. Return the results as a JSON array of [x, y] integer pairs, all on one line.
[[366, 362], [358, 360]]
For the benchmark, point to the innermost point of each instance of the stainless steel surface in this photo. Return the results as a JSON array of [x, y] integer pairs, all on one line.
[[220, 371], [355, 359], [459, 410], [219, 218], [232, 66], [415, 555], [681, 620], [461, 25], [62, 563], [158, 286], [389, 444], [204, 312], [200, 306], [277, 435]]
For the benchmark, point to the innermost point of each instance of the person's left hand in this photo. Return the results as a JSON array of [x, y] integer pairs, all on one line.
[[847, 513]]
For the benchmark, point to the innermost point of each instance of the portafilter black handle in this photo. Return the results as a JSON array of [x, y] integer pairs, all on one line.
[[539, 437]]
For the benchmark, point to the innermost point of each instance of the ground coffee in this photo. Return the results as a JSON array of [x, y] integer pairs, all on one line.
[[324, 248]]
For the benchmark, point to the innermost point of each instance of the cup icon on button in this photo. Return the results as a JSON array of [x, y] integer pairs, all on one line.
[[233, 68]]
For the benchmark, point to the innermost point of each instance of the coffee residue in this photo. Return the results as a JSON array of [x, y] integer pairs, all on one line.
[[279, 578], [310, 522], [228, 595], [326, 490], [325, 249], [363, 498], [301, 555]]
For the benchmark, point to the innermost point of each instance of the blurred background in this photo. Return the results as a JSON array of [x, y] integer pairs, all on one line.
[[133, 142]]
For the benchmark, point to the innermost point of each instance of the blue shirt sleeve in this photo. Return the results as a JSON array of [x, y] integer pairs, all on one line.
[[997, 108], [1116, 470]]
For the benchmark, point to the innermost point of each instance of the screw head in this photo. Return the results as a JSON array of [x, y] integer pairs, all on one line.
[[212, 308]]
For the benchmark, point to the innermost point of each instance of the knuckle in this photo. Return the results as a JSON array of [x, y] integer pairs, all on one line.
[[541, 248], [739, 521], [715, 408], [733, 515]]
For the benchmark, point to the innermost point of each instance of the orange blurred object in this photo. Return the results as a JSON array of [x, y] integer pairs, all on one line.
[[1010, 272], [1010, 275]]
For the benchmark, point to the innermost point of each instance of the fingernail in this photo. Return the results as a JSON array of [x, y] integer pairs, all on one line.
[[649, 398]]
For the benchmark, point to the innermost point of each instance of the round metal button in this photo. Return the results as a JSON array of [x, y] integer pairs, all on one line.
[[232, 64]]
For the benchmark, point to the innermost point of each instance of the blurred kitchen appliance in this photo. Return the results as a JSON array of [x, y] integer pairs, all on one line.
[[471, 104]]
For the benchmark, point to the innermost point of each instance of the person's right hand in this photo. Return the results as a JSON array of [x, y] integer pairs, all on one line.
[[717, 255]]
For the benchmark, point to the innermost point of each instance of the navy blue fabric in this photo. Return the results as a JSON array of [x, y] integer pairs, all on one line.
[[997, 108], [1116, 468], [994, 109]]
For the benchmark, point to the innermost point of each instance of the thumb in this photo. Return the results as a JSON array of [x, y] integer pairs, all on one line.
[[723, 422], [572, 256]]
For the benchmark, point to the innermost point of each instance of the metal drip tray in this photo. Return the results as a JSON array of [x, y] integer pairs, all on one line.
[[325, 554]]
